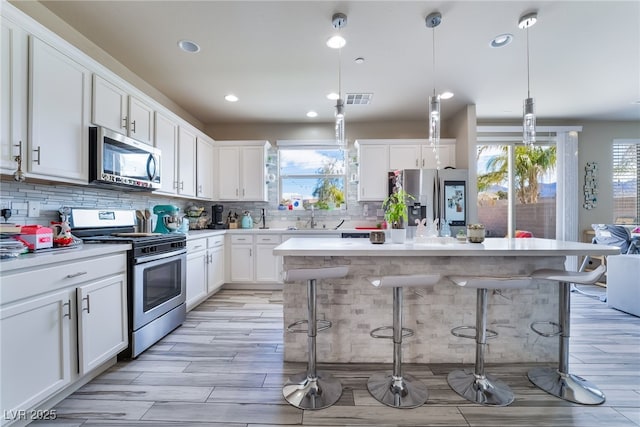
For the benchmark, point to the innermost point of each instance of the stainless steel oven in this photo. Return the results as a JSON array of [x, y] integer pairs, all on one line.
[[157, 297], [156, 273]]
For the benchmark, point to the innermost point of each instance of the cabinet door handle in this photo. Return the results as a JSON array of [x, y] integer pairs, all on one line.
[[423, 162], [124, 122], [209, 259], [237, 192], [175, 185], [133, 126], [79, 273], [37, 150], [199, 189], [250, 252], [88, 309], [68, 305], [243, 192], [181, 185], [416, 162], [197, 247]]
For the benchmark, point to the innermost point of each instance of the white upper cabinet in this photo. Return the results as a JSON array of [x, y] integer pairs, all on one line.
[[115, 109], [13, 95], [242, 170], [166, 136], [418, 154], [405, 156], [204, 168], [373, 167], [59, 98], [186, 162]]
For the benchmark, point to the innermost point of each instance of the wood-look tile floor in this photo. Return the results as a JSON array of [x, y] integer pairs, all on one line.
[[224, 367]]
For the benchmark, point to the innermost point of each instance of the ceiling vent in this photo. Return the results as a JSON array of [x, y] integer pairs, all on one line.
[[359, 98]]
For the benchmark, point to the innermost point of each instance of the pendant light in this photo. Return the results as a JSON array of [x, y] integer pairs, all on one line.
[[432, 21], [528, 113], [339, 21]]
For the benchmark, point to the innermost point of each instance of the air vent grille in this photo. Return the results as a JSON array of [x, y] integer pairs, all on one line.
[[359, 98]]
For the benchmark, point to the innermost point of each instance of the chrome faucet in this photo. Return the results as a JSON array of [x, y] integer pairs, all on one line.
[[313, 222]]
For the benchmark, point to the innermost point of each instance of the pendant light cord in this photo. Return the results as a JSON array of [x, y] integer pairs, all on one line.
[[433, 39], [528, 91], [340, 73]]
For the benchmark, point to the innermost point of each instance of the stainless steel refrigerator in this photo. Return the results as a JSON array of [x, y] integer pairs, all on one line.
[[439, 194]]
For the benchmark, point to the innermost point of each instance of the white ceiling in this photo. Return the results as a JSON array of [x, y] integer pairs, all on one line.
[[585, 56]]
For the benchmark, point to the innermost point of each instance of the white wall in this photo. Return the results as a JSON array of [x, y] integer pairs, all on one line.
[[595, 145]]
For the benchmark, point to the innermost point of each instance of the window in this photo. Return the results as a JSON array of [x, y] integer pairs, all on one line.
[[626, 171], [312, 176], [534, 189]]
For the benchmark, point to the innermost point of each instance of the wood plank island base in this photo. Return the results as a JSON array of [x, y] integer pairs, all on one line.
[[355, 307]]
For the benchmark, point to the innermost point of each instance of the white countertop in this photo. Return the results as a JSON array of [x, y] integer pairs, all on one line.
[[38, 259], [196, 234], [490, 247]]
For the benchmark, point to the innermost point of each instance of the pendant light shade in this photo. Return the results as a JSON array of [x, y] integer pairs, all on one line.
[[528, 111], [339, 20], [432, 21]]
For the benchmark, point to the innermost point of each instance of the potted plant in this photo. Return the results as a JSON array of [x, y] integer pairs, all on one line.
[[397, 214]]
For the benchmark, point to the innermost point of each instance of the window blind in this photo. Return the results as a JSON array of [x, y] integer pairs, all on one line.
[[626, 172]]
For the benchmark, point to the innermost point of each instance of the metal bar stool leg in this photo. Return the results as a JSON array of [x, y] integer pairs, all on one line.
[[559, 382], [477, 386], [312, 389], [395, 389]]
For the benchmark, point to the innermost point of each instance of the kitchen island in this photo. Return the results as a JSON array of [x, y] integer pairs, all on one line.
[[355, 307]]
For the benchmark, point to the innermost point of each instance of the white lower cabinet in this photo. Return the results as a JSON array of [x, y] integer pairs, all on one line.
[[268, 266], [196, 272], [102, 332], [205, 268], [252, 259], [215, 268], [59, 323], [242, 258], [36, 350]]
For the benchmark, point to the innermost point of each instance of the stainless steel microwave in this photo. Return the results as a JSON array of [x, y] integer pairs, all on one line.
[[118, 161]]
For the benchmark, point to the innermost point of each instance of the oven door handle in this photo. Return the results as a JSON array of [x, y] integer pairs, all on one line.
[[150, 258]]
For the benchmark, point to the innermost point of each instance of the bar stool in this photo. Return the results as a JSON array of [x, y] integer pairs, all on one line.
[[559, 382], [312, 389], [393, 388], [477, 386]]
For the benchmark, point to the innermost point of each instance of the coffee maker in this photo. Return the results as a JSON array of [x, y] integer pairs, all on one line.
[[217, 221]]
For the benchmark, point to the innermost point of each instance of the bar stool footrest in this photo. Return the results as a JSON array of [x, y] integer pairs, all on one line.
[[320, 324], [557, 329], [406, 332], [566, 386], [490, 333]]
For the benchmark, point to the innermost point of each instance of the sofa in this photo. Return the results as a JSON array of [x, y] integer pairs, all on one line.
[[623, 283]]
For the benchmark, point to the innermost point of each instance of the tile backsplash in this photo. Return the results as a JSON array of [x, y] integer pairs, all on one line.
[[52, 196]]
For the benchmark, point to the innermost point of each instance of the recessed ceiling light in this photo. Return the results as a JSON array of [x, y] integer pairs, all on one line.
[[189, 46], [336, 42], [501, 40], [359, 60], [333, 96], [231, 98], [446, 95], [312, 114]]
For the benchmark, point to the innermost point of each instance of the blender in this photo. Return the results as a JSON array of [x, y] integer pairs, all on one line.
[[168, 219]]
